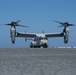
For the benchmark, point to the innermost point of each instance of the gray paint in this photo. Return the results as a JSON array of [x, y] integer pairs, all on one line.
[[37, 61]]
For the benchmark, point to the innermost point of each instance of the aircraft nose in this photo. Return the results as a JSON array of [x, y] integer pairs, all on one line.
[[45, 41]]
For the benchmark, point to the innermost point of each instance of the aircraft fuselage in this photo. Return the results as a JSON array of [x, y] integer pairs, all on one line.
[[39, 41]]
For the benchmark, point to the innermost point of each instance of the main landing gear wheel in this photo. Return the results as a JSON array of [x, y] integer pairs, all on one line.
[[45, 46], [34, 46]]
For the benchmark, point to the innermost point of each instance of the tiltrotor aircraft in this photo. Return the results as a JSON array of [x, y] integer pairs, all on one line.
[[39, 40]]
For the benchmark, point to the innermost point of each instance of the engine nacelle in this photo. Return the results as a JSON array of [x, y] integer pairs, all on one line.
[[13, 34], [66, 36], [13, 37]]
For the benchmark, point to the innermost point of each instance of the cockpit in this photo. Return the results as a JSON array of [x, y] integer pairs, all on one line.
[[39, 38]]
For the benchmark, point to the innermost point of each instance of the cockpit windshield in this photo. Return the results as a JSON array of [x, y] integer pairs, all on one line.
[[39, 38]]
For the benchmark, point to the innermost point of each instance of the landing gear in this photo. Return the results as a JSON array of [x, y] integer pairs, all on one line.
[[34, 46], [45, 46], [31, 46], [39, 46], [13, 42]]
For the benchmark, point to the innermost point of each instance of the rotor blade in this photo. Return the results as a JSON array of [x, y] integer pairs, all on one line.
[[16, 24], [59, 22], [22, 26], [71, 25], [13, 23], [6, 24], [64, 24], [60, 26], [18, 21]]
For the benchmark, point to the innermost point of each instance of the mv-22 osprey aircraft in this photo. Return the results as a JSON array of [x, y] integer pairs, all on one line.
[[39, 40]]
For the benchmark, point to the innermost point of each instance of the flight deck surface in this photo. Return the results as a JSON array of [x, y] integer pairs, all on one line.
[[37, 61]]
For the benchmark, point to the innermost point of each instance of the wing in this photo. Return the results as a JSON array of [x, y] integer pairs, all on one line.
[[49, 35], [27, 35]]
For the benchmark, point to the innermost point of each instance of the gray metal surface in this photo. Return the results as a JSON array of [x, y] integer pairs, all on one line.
[[37, 61]]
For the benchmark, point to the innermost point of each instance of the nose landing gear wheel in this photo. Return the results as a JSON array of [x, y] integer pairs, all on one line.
[[34, 46], [45, 46]]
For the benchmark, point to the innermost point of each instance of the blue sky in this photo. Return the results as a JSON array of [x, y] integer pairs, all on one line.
[[39, 15]]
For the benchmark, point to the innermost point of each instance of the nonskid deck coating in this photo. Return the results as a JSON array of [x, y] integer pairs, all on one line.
[[29, 61]]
